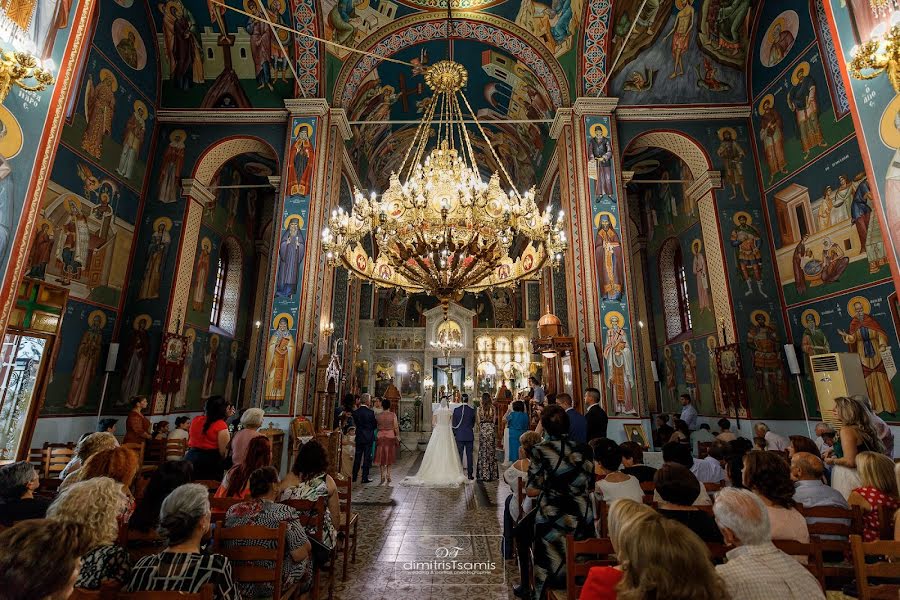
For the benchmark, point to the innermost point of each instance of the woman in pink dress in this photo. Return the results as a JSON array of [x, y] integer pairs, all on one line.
[[387, 441]]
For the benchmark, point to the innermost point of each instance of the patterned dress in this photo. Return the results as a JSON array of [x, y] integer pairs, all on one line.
[[183, 572], [313, 489], [564, 472], [871, 523], [266, 513], [486, 469], [104, 564]]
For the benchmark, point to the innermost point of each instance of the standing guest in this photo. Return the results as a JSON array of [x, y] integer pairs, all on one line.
[[682, 433], [164, 480], [137, 426], [160, 430], [517, 471], [87, 447], [95, 505], [709, 469], [857, 435], [561, 474], [689, 413], [262, 510], [28, 571], [596, 417], [577, 421], [517, 424], [251, 421], [309, 480], [878, 489], [633, 462], [663, 431], [182, 424], [611, 483], [725, 433], [810, 491], [208, 439], [756, 569], [387, 441], [463, 426], [18, 482], [184, 521], [107, 425], [486, 469], [364, 420], [657, 554], [825, 439], [883, 429], [801, 443], [678, 488], [768, 475], [537, 391], [236, 482], [703, 435], [119, 464], [773, 440]]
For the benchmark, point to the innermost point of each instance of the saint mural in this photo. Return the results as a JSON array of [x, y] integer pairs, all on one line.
[[670, 376], [714, 384], [10, 144], [765, 348], [600, 152], [87, 360], [304, 159], [230, 371], [135, 130], [869, 340], [608, 254], [291, 251], [41, 249], [681, 33], [701, 275], [190, 337], [170, 170], [35, 23], [779, 38], [201, 275], [619, 367], [211, 360], [746, 240], [262, 41], [157, 251], [183, 50], [99, 108], [814, 340], [771, 134], [689, 364], [136, 354], [732, 155], [802, 101], [279, 361], [73, 241]]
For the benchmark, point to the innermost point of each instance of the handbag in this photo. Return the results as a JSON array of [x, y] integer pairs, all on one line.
[[321, 553]]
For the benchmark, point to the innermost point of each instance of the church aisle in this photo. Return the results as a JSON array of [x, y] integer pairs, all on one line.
[[401, 525]]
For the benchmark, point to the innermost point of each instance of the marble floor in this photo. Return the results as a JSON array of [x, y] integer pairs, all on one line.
[[421, 543]]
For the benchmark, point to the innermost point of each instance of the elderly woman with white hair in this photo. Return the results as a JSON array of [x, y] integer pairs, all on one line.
[[18, 482], [183, 520], [251, 421]]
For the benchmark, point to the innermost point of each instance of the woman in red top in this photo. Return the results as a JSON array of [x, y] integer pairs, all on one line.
[[879, 488], [208, 440], [137, 426], [236, 483]]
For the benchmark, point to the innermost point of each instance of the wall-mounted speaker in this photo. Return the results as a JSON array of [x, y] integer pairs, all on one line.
[[305, 355], [593, 359], [793, 364], [111, 357], [245, 369], [654, 371]]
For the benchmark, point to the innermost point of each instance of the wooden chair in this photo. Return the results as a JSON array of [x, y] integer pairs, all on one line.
[[885, 523], [211, 484], [520, 497], [139, 448], [205, 593], [717, 552], [139, 544], [880, 553], [312, 517], [56, 457], [648, 487], [813, 552], [242, 557], [712, 488], [603, 511], [175, 447], [581, 555], [219, 506], [49, 488], [108, 591], [36, 458], [155, 452], [348, 523], [846, 523]]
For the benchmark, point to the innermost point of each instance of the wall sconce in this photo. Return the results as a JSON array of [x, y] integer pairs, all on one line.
[[428, 382], [258, 324], [469, 383], [879, 55], [328, 329], [17, 67]]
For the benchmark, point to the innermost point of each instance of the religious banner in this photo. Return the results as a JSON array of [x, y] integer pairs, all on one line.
[[281, 350], [170, 366]]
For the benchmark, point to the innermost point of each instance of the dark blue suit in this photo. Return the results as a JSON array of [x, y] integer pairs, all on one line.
[[577, 426], [364, 420], [463, 424]]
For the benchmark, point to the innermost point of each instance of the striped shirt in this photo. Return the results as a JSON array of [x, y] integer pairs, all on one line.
[[183, 572]]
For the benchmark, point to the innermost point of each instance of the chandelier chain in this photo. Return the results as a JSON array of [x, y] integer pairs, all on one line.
[[490, 146]]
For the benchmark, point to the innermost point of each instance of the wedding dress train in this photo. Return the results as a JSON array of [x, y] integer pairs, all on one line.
[[440, 466]]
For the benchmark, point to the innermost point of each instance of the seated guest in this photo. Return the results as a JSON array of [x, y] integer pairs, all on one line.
[[801, 443], [769, 476], [251, 421], [86, 448], [760, 443], [514, 473], [137, 426], [662, 559], [160, 430], [633, 462], [878, 489], [18, 482], [208, 439], [825, 439], [725, 433], [702, 436], [308, 480], [756, 569], [517, 424], [811, 492], [107, 425], [236, 483], [119, 464], [663, 431], [857, 435], [182, 424], [883, 429], [164, 480], [612, 484], [678, 488], [709, 469], [95, 505], [773, 440], [601, 582], [682, 432], [40, 560], [676, 452], [263, 511], [182, 567]]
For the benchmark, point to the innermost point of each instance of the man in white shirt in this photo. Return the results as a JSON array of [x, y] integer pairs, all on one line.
[[709, 469], [756, 569], [702, 435], [825, 438], [689, 413], [773, 440]]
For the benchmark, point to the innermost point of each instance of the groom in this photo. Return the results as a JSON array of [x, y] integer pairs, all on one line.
[[463, 424]]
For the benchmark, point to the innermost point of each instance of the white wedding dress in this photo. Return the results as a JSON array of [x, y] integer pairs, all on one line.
[[441, 466]]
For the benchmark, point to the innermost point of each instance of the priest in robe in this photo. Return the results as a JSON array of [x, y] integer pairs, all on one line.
[[608, 254], [868, 339]]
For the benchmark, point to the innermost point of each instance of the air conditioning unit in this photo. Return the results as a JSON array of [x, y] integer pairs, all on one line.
[[833, 375]]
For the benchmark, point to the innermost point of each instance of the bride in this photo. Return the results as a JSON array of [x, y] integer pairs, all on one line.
[[440, 465]]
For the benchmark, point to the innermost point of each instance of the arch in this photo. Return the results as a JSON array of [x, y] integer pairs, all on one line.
[[676, 308], [483, 27], [679, 144], [216, 155], [230, 292]]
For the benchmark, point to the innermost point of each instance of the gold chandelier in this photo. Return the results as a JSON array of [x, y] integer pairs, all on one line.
[[443, 230], [879, 55]]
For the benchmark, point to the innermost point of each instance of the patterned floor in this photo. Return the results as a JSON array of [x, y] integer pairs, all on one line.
[[420, 543]]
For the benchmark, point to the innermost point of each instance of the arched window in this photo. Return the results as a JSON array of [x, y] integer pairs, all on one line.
[[218, 299], [673, 284], [227, 288]]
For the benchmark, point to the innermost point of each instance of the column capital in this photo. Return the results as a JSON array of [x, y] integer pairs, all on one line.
[[708, 181], [339, 120], [627, 176], [306, 107], [275, 181], [563, 117], [595, 106], [192, 188]]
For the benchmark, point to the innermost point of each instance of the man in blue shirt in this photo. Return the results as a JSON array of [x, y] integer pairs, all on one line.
[[688, 412], [537, 392]]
